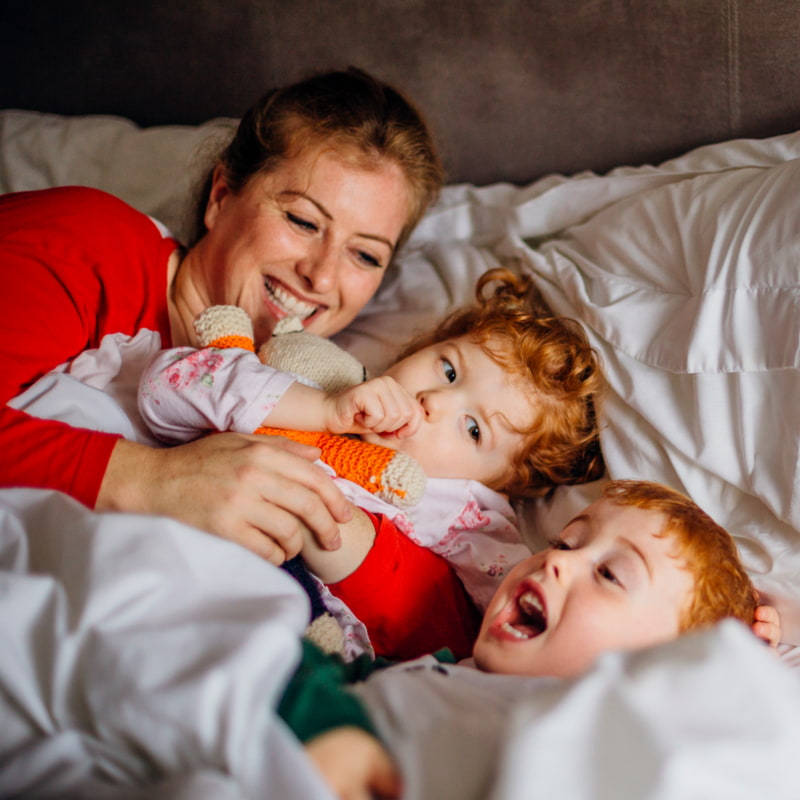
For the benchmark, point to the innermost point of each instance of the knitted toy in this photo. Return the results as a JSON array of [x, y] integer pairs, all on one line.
[[394, 477]]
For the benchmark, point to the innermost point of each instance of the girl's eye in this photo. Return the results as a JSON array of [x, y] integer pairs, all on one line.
[[449, 370], [560, 544], [607, 574], [302, 223], [473, 430]]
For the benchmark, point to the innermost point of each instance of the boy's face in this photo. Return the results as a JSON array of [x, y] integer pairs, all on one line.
[[471, 408], [609, 583]]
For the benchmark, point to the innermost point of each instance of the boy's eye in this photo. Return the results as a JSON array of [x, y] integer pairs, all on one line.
[[302, 223], [449, 370], [473, 430], [607, 574]]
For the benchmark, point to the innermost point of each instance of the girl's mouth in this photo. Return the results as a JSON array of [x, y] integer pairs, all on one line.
[[528, 618], [287, 302]]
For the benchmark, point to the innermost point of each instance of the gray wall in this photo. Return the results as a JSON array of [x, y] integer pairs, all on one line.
[[513, 88]]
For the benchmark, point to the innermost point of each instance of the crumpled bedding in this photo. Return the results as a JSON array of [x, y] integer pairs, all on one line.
[[685, 276], [142, 659]]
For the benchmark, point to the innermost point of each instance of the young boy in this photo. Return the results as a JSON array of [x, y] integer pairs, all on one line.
[[496, 402], [638, 567]]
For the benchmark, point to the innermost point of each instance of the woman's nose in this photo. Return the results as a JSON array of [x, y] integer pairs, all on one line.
[[318, 269]]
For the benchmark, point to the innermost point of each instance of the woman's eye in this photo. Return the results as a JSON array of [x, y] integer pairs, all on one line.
[[369, 259], [449, 370], [302, 223], [473, 430]]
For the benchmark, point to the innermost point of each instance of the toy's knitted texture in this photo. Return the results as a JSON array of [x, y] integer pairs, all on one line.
[[395, 477], [392, 476], [322, 362]]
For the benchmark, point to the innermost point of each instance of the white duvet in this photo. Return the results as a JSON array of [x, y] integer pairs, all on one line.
[[141, 659], [685, 276]]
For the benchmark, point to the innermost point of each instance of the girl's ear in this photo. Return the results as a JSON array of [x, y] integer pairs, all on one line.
[[219, 191]]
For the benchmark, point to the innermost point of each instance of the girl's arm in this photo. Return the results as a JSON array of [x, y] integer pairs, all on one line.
[[331, 566], [184, 393]]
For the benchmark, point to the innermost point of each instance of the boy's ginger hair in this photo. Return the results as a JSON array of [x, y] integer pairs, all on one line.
[[722, 587], [552, 354]]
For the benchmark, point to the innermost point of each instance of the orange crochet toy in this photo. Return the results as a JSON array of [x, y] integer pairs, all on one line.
[[392, 476]]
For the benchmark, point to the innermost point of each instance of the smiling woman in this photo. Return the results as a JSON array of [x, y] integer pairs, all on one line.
[[293, 242], [322, 182]]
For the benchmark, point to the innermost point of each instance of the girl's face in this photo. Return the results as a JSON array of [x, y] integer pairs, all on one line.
[[472, 409], [611, 582], [310, 239]]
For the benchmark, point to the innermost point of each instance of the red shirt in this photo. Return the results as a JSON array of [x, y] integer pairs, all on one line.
[[75, 264], [409, 598]]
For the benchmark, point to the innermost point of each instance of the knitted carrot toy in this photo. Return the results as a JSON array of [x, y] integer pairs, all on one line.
[[392, 476]]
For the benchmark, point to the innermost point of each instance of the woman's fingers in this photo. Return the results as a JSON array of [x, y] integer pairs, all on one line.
[[262, 492]]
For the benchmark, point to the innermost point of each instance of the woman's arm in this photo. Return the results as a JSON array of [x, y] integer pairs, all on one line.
[[262, 492]]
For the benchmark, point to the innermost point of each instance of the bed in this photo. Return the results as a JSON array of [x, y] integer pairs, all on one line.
[[666, 221]]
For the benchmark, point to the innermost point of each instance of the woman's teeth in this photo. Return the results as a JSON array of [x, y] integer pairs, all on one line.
[[288, 302]]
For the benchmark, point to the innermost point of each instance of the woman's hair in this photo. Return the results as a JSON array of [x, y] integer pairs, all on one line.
[[357, 115], [722, 588], [553, 356]]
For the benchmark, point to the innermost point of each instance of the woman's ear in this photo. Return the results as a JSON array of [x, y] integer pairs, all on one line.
[[219, 191]]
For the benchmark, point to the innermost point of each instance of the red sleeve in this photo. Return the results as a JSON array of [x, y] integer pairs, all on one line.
[[75, 264], [409, 598]]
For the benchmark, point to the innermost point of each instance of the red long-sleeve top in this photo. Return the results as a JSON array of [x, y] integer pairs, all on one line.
[[75, 264], [409, 598]]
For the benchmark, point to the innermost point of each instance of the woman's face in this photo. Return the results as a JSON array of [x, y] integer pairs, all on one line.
[[310, 239]]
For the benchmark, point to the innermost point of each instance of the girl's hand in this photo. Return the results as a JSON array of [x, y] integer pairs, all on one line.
[[380, 405], [262, 492], [767, 625]]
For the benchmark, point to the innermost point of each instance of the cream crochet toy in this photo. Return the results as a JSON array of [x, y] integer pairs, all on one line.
[[395, 477]]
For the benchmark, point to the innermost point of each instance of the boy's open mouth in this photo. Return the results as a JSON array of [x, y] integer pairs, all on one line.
[[530, 617]]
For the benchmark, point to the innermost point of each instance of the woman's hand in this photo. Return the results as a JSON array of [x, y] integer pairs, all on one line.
[[354, 764], [262, 492]]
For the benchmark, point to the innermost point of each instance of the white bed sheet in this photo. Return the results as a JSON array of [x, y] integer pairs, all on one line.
[[686, 278], [141, 658]]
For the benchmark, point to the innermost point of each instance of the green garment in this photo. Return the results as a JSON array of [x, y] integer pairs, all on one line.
[[317, 698]]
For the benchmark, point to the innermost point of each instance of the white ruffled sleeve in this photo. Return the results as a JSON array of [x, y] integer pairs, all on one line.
[[186, 392]]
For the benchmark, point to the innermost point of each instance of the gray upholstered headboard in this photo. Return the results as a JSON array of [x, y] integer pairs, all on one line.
[[513, 89]]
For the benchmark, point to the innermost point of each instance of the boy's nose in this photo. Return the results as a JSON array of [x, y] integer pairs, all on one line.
[[559, 563]]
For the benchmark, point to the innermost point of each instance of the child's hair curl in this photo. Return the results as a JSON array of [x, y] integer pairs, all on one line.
[[553, 356]]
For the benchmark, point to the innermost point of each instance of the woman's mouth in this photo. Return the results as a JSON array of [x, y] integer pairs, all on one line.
[[288, 303], [528, 618]]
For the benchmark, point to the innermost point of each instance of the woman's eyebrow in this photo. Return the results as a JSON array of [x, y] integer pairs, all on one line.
[[293, 194]]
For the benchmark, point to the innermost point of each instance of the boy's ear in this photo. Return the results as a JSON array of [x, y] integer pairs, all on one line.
[[219, 191]]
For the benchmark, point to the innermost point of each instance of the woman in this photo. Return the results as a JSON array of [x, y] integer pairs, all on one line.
[[322, 183]]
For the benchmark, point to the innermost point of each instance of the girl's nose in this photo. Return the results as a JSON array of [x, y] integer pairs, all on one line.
[[432, 403]]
